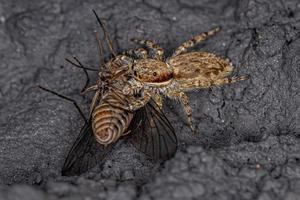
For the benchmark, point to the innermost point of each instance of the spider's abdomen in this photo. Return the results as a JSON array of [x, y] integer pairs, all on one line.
[[202, 65], [109, 120]]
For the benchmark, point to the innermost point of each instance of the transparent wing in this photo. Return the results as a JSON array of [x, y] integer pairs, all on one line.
[[85, 153], [152, 133]]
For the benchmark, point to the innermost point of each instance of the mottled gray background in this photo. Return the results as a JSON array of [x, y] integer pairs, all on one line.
[[247, 145]]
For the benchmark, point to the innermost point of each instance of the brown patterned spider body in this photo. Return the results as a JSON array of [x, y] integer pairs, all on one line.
[[181, 72]]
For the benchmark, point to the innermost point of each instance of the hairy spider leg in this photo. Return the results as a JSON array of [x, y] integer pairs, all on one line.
[[194, 40], [186, 106], [204, 83], [139, 53], [158, 99], [158, 51]]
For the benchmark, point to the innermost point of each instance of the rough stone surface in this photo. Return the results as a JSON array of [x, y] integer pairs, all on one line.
[[247, 146]]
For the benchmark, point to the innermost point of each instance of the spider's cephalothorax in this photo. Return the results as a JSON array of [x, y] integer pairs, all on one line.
[[152, 71], [181, 72]]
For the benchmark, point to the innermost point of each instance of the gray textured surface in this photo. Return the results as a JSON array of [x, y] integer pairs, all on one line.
[[247, 146]]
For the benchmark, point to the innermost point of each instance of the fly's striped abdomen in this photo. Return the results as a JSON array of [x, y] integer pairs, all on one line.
[[109, 120]]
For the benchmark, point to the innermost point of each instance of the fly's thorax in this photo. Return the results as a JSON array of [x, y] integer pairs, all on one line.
[[152, 71]]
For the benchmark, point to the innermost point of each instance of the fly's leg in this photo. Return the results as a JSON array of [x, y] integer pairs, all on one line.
[[195, 40], [94, 101], [86, 74], [80, 65], [66, 98], [204, 83], [108, 40], [139, 53], [186, 106], [158, 51], [100, 50]]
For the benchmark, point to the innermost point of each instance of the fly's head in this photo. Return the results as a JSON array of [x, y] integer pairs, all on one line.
[[153, 72]]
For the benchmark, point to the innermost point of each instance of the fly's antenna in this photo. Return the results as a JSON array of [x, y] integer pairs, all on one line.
[[66, 98], [108, 40]]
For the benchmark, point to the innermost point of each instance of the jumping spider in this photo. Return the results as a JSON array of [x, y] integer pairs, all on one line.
[[146, 76], [172, 77]]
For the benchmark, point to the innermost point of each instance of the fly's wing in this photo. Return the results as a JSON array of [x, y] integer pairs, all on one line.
[[85, 153], [152, 133]]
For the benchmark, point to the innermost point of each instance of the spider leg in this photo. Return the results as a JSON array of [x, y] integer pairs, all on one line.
[[158, 100], [66, 98], [205, 83], [134, 102], [138, 102], [158, 51], [186, 106], [139, 53], [125, 60], [194, 40], [228, 80]]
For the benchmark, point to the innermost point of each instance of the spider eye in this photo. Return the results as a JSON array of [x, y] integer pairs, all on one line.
[[154, 74]]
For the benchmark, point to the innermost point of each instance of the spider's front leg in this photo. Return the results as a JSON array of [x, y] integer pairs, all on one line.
[[136, 95], [158, 51], [137, 102], [194, 40]]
